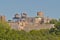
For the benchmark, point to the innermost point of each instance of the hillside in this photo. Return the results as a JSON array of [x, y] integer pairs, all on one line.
[[44, 34]]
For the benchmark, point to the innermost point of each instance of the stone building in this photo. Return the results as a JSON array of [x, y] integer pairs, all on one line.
[[23, 22], [2, 18]]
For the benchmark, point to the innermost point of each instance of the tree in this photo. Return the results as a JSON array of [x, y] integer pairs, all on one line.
[[53, 21]]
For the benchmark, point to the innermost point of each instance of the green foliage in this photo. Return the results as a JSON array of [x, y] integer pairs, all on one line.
[[56, 30], [44, 34], [53, 21]]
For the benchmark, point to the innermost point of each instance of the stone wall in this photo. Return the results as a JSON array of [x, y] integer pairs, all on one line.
[[31, 26], [38, 26]]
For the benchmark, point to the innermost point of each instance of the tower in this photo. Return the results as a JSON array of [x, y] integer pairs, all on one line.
[[16, 17], [2, 18], [40, 14], [23, 15]]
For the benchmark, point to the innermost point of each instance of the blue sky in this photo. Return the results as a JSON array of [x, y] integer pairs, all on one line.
[[50, 8]]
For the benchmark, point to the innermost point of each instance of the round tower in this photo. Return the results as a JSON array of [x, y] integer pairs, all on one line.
[[17, 16], [24, 15], [40, 14], [2, 18]]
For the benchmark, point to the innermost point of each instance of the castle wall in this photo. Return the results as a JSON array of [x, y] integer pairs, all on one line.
[[38, 27], [13, 25], [29, 27]]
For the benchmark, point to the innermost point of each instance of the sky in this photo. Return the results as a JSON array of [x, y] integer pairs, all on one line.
[[50, 8]]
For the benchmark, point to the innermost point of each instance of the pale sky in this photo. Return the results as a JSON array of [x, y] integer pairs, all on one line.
[[50, 8]]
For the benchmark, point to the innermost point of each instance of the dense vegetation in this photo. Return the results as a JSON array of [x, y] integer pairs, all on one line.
[[9, 34]]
